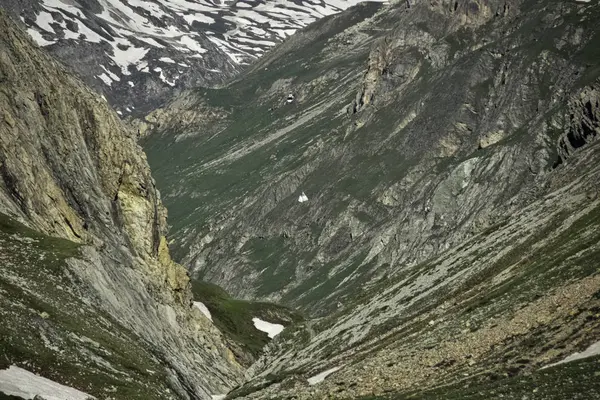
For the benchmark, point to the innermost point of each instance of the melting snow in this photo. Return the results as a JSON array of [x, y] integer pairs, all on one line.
[[152, 42], [16, 381], [39, 39], [190, 18], [43, 20], [591, 351], [125, 58], [302, 198], [313, 380], [106, 79], [271, 329], [192, 45], [250, 27], [203, 309]]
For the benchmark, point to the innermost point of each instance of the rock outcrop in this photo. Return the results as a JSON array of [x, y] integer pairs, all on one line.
[[583, 127], [69, 168]]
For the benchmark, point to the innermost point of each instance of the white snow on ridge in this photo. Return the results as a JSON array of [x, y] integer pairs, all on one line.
[[131, 56], [283, 17], [241, 31], [200, 305], [191, 44], [16, 381], [270, 329], [106, 79], [39, 39], [43, 20], [320, 377], [190, 18]]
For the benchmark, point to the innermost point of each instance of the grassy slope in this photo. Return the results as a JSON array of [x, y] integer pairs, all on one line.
[[49, 328], [234, 318]]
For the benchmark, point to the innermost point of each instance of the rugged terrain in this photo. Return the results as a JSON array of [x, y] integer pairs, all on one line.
[[449, 246], [89, 295], [138, 53]]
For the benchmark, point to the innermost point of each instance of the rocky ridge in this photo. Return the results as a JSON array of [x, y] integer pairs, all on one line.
[[448, 151], [138, 53], [70, 169]]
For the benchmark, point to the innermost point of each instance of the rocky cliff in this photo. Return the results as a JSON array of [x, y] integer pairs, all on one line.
[[70, 169], [448, 151]]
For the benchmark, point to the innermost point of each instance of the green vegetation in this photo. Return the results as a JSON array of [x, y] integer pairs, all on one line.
[[234, 317], [574, 380], [49, 328]]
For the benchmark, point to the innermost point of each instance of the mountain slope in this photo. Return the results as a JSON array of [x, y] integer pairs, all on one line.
[[136, 52], [90, 296], [449, 154], [406, 140]]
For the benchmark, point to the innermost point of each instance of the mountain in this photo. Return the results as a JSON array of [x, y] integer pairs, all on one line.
[[138, 52], [449, 245], [89, 296], [414, 183]]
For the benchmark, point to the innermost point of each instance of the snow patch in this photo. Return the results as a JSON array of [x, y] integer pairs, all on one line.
[[190, 18], [16, 381], [192, 45], [302, 198], [313, 380], [270, 329], [203, 309], [106, 79], [39, 39], [151, 42], [130, 56], [591, 351]]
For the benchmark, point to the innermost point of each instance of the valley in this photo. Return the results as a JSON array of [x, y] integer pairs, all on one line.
[[397, 201]]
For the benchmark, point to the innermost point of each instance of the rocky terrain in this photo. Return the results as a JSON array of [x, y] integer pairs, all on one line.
[[138, 53], [418, 181], [89, 296], [449, 243]]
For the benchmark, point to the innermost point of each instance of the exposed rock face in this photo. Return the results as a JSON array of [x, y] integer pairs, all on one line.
[[583, 114], [379, 60], [441, 229], [183, 114], [69, 168]]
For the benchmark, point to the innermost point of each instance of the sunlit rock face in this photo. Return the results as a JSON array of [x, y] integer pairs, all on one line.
[[95, 253]]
